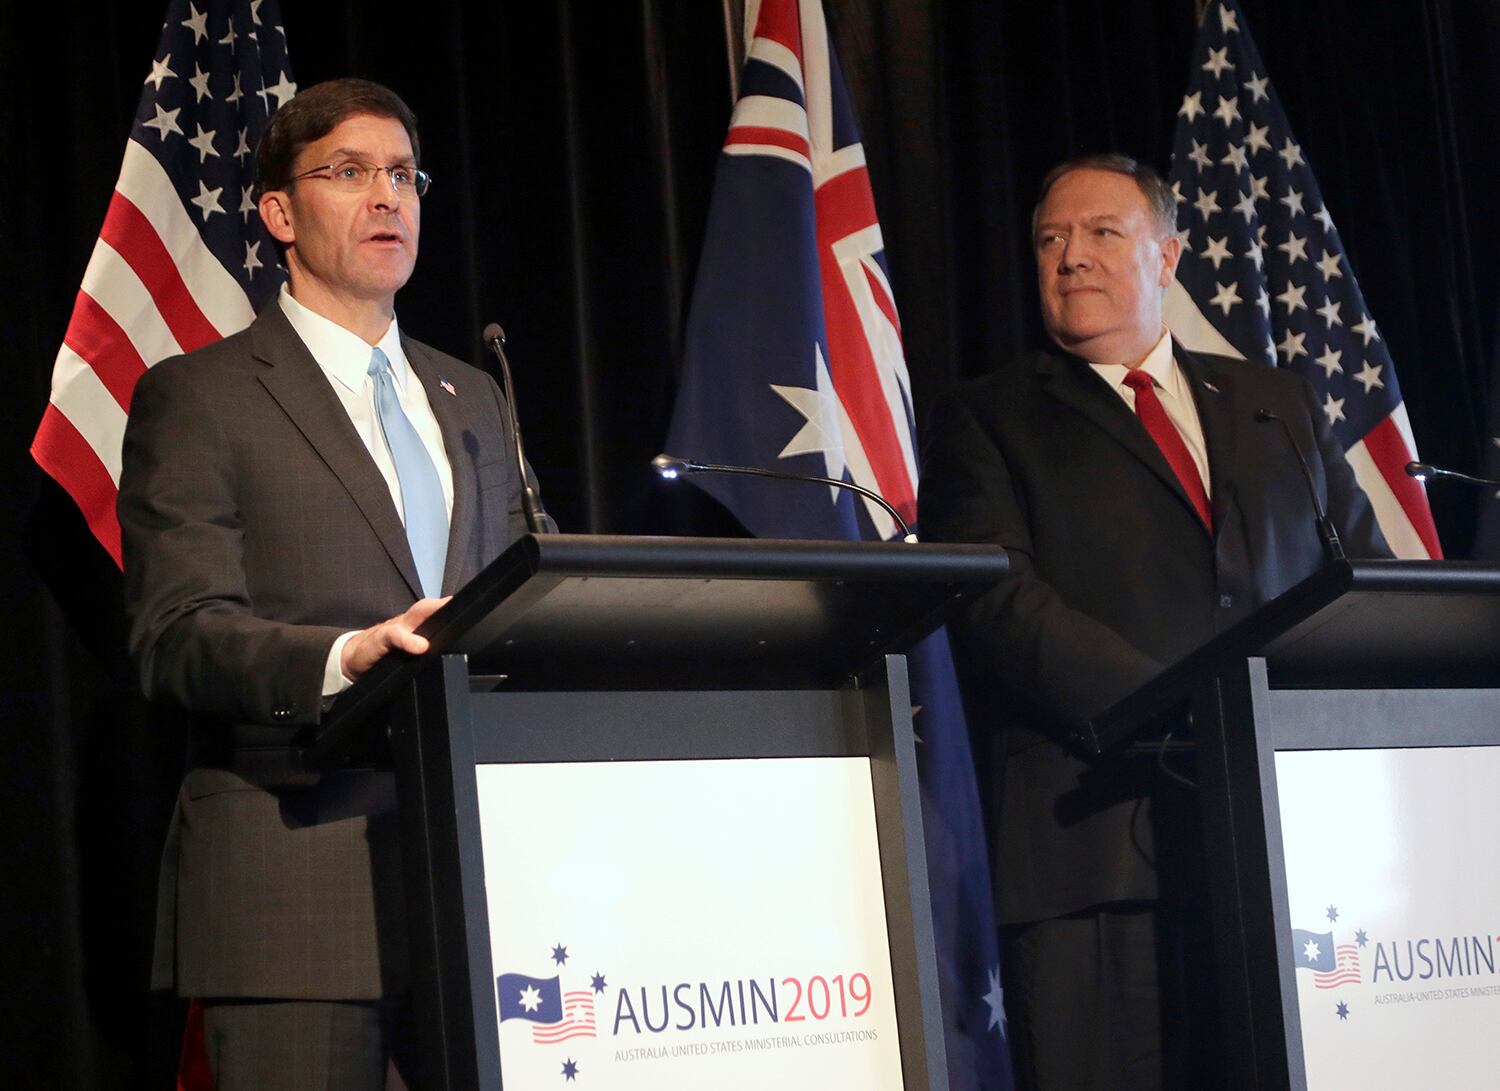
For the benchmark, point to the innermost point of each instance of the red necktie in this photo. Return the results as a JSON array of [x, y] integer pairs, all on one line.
[[1149, 408]]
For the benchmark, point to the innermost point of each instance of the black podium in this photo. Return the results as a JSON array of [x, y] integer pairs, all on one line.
[[580, 649], [1361, 656]]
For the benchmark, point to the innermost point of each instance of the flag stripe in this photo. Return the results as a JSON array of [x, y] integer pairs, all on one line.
[[127, 230], [763, 137], [111, 282], [1399, 533], [218, 295], [1390, 454], [68, 458], [98, 339]]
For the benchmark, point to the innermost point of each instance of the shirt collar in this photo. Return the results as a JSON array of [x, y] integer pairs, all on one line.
[[343, 355], [1158, 364]]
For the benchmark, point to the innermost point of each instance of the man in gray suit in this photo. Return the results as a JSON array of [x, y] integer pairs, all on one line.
[[294, 502]]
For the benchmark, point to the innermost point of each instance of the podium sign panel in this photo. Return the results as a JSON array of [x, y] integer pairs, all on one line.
[[1393, 896], [661, 924]]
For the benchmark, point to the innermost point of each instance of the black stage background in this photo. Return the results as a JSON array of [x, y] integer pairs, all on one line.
[[574, 146]]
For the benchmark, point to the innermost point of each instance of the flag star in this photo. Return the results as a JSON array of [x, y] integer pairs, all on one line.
[[531, 998], [1330, 312], [200, 83], [1329, 362], [1324, 218], [160, 71], [1291, 153], [229, 35], [1293, 201], [252, 257], [1310, 951], [1182, 237], [196, 22], [242, 149], [1260, 188], [1227, 20], [1245, 206], [1369, 377], [1256, 85], [1256, 140], [1295, 248], [165, 121], [1236, 157], [1260, 234], [1334, 407], [255, 11], [1192, 106], [1228, 110], [1291, 299], [1177, 193], [822, 434], [204, 142], [1329, 264], [236, 94], [208, 200], [247, 206], [1291, 345], [1200, 155], [1366, 329], [283, 89], [1218, 60], [1226, 297], [1254, 253], [1263, 301], [1218, 251], [1207, 203], [995, 999]]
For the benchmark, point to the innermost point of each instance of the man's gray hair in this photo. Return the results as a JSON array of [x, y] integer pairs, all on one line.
[[1159, 199]]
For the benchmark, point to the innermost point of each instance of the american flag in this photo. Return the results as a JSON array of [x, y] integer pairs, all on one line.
[[182, 259], [794, 360], [1264, 276], [1346, 956], [577, 1020]]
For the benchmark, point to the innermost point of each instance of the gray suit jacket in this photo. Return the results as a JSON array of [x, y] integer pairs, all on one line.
[[256, 528], [1114, 577]]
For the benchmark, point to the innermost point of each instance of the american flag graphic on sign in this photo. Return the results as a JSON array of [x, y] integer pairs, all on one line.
[[794, 361], [1264, 275], [577, 1020], [182, 259]]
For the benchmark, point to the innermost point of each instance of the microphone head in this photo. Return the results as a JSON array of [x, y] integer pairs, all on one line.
[[1263, 414], [670, 466], [493, 333], [1420, 470]]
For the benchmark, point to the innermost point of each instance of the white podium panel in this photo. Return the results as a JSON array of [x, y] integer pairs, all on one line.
[[688, 924], [1393, 885]]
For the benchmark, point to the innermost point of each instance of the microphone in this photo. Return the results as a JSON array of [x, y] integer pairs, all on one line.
[[670, 467], [1426, 471], [531, 507], [1327, 533]]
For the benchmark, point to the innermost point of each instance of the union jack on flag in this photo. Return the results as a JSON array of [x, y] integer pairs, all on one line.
[[1264, 275], [182, 259], [794, 360]]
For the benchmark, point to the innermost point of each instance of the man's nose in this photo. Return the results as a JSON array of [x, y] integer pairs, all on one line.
[[1075, 253]]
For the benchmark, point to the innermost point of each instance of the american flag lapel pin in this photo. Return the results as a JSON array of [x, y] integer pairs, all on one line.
[[1205, 383], [446, 385]]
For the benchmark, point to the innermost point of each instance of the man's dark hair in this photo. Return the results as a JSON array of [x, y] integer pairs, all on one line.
[[1159, 199], [312, 115]]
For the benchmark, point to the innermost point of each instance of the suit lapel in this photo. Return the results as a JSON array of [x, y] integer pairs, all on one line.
[[1217, 413], [299, 386], [446, 409]]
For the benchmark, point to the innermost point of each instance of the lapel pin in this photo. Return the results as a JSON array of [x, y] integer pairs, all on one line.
[[446, 385], [1206, 383]]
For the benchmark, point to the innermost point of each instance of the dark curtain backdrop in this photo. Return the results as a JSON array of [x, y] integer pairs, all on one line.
[[573, 146]]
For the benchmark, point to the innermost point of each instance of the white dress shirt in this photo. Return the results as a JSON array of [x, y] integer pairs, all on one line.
[[1172, 391], [344, 358]]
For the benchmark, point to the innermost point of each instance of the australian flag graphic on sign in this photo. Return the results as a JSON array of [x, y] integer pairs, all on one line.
[[1313, 950], [538, 999]]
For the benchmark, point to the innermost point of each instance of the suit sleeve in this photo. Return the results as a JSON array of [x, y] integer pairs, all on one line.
[[194, 635], [1348, 505], [1022, 632]]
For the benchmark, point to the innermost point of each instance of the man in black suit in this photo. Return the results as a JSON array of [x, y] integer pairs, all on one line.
[[1145, 510], [294, 501]]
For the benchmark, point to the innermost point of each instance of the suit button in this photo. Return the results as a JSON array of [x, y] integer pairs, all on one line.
[[282, 712], [1226, 601]]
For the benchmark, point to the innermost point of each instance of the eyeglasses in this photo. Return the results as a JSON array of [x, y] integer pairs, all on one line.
[[355, 176]]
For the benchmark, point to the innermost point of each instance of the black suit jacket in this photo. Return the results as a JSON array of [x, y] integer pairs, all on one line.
[[1113, 578], [256, 528]]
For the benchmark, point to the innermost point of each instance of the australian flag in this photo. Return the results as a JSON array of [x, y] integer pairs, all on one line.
[[794, 361], [1313, 950], [538, 999], [1264, 275]]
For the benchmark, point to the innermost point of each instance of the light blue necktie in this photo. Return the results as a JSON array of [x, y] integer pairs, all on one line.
[[421, 491]]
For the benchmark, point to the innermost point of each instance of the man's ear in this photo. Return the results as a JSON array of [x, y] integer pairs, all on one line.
[[1171, 254], [276, 213]]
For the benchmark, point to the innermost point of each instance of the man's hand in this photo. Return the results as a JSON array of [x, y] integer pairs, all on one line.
[[366, 648]]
